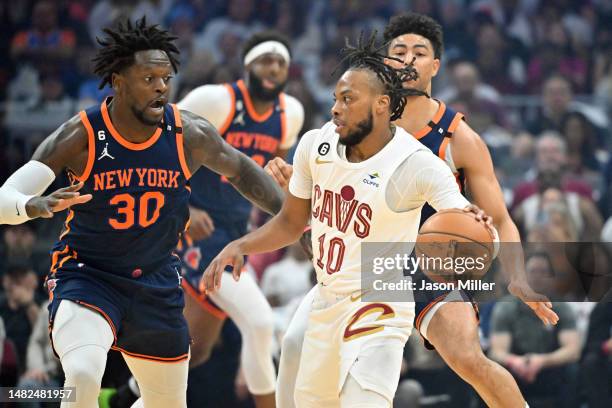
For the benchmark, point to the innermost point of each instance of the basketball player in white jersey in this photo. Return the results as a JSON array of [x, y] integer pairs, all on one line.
[[417, 39], [352, 349]]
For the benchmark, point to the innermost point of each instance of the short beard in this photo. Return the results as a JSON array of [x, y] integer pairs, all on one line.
[[355, 137], [263, 94], [142, 118]]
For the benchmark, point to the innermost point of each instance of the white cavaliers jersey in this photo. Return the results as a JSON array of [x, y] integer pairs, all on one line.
[[349, 206]]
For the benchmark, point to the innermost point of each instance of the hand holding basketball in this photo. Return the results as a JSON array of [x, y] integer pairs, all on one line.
[[456, 244]]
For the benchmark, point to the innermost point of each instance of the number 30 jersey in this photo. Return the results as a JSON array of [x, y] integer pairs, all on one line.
[[140, 197]]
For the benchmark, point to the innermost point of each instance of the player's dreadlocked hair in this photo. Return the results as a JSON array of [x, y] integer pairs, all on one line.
[[366, 55], [120, 45]]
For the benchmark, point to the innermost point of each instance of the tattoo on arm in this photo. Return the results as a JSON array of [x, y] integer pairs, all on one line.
[[205, 147], [257, 186]]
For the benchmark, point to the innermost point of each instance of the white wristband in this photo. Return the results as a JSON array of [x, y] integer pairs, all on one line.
[[31, 180]]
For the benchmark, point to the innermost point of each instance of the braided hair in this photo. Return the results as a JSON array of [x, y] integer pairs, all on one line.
[[366, 55], [120, 45]]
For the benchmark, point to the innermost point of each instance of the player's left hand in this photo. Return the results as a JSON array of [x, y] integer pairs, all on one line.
[[230, 255], [482, 216], [540, 304]]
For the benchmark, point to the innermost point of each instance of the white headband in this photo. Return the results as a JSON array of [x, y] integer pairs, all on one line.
[[266, 47]]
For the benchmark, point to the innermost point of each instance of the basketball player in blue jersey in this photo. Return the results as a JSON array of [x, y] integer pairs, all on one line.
[[257, 118], [417, 39], [114, 281]]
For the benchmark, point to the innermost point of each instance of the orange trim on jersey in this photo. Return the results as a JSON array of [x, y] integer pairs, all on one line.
[[55, 258], [455, 122], [230, 117], [283, 118], [176, 359], [422, 132], [69, 218], [201, 299], [442, 149], [91, 147], [419, 319], [65, 259], [179, 142], [249, 104], [104, 315], [121, 140]]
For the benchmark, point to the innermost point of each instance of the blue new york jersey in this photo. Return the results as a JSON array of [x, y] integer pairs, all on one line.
[[257, 136], [140, 198], [436, 136]]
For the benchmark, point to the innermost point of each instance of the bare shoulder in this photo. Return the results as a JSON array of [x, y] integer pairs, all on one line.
[[466, 145], [66, 147]]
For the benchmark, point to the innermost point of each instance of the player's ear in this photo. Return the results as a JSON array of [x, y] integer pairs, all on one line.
[[436, 67], [383, 103], [116, 81]]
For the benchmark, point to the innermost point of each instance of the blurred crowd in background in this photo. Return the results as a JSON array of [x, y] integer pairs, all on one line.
[[533, 78]]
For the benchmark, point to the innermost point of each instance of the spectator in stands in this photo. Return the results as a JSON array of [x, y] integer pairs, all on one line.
[[478, 102], [53, 108], [42, 368], [239, 22], [106, 12], [553, 205], [596, 364], [19, 245], [556, 54], [19, 309], [557, 97], [551, 156], [44, 43], [538, 357], [498, 61]]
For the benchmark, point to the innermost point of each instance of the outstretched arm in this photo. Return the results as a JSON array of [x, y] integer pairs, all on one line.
[[466, 145], [205, 147], [20, 199], [285, 228]]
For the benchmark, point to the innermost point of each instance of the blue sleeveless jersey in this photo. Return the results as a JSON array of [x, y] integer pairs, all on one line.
[[436, 136], [140, 198], [257, 136]]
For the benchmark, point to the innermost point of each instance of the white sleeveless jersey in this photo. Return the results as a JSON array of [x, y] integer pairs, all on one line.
[[349, 206]]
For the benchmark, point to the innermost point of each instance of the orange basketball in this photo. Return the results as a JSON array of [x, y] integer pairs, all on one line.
[[452, 245]]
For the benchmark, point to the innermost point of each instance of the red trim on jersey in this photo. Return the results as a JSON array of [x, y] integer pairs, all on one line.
[[230, 117], [424, 131], [121, 140], [179, 142], [249, 104], [91, 147]]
